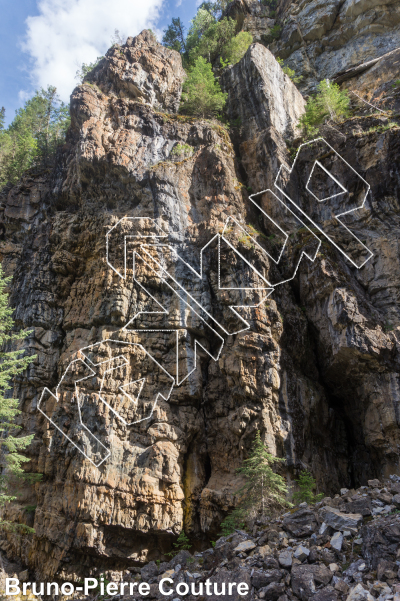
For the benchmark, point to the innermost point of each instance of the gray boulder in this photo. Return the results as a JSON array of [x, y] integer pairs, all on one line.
[[337, 541], [301, 523], [273, 591], [285, 558], [341, 521], [262, 579], [305, 579]]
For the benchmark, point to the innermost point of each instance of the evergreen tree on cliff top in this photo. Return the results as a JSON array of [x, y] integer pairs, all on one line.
[[12, 363], [34, 134], [202, 95]]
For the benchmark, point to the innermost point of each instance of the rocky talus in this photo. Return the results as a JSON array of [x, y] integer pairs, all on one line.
[[316, 369], [342, 548]]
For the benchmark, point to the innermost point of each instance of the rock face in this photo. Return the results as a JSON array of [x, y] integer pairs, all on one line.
[[142, 70], [320, 39], [261, 95], [251, 16], [318, 570], [316, 370]]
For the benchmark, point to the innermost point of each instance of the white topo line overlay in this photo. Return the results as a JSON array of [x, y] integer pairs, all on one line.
[[191, 302], [337, 217], [87, 363]]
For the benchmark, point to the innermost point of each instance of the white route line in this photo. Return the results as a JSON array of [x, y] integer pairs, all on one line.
[[337, 217], [366, 102], [165, 275], [92, 374]]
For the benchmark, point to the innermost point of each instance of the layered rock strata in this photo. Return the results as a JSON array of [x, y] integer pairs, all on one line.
[[316, 371]]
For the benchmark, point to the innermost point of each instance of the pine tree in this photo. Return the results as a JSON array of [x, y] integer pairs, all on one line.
[[307, 485], [214, 40], [263, 488], [174, 36], [263, 485], [181, 544], [12, 363], [202, 95], [34, 135]]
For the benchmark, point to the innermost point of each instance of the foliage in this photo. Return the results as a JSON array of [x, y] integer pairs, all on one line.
[[202, 95], [174, 36], [34, 135], [182, 150], [263, 484], [181, 544], [199, 26], [289, 72], [216, 8], [329, 104], [233, 521], [12, 363], [274, 33], [236, 48], [210, 36], [86, 68], [307, 485], [262, 489], [213, 42]]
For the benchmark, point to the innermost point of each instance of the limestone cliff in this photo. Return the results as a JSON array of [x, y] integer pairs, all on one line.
[[323, 39], [317, 371]]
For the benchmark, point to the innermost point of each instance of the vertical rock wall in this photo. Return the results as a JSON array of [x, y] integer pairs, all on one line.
[[316, 372]]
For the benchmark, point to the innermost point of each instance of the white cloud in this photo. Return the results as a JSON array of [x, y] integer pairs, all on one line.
[[67, 33]]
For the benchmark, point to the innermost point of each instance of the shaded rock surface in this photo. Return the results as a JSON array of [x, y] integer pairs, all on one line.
[[239, 557], [317, 371]]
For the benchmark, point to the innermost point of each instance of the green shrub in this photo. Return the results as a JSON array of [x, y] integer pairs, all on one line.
[[235, 520], [236, 48], [329, 104], [202, 95], [288, 71], [307, 485], [86, 68], [181, 544], [182, 150], [274, 33]]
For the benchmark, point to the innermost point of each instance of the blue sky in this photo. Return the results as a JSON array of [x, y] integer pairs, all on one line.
[[44, 41]]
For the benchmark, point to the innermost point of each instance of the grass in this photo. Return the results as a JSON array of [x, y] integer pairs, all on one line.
[[382, 128]]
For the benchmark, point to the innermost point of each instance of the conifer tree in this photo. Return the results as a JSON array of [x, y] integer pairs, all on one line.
[[174, 36], [181, 544], [307, 485], [263, 487], [34, 134], [12, 363], [202, 95]]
